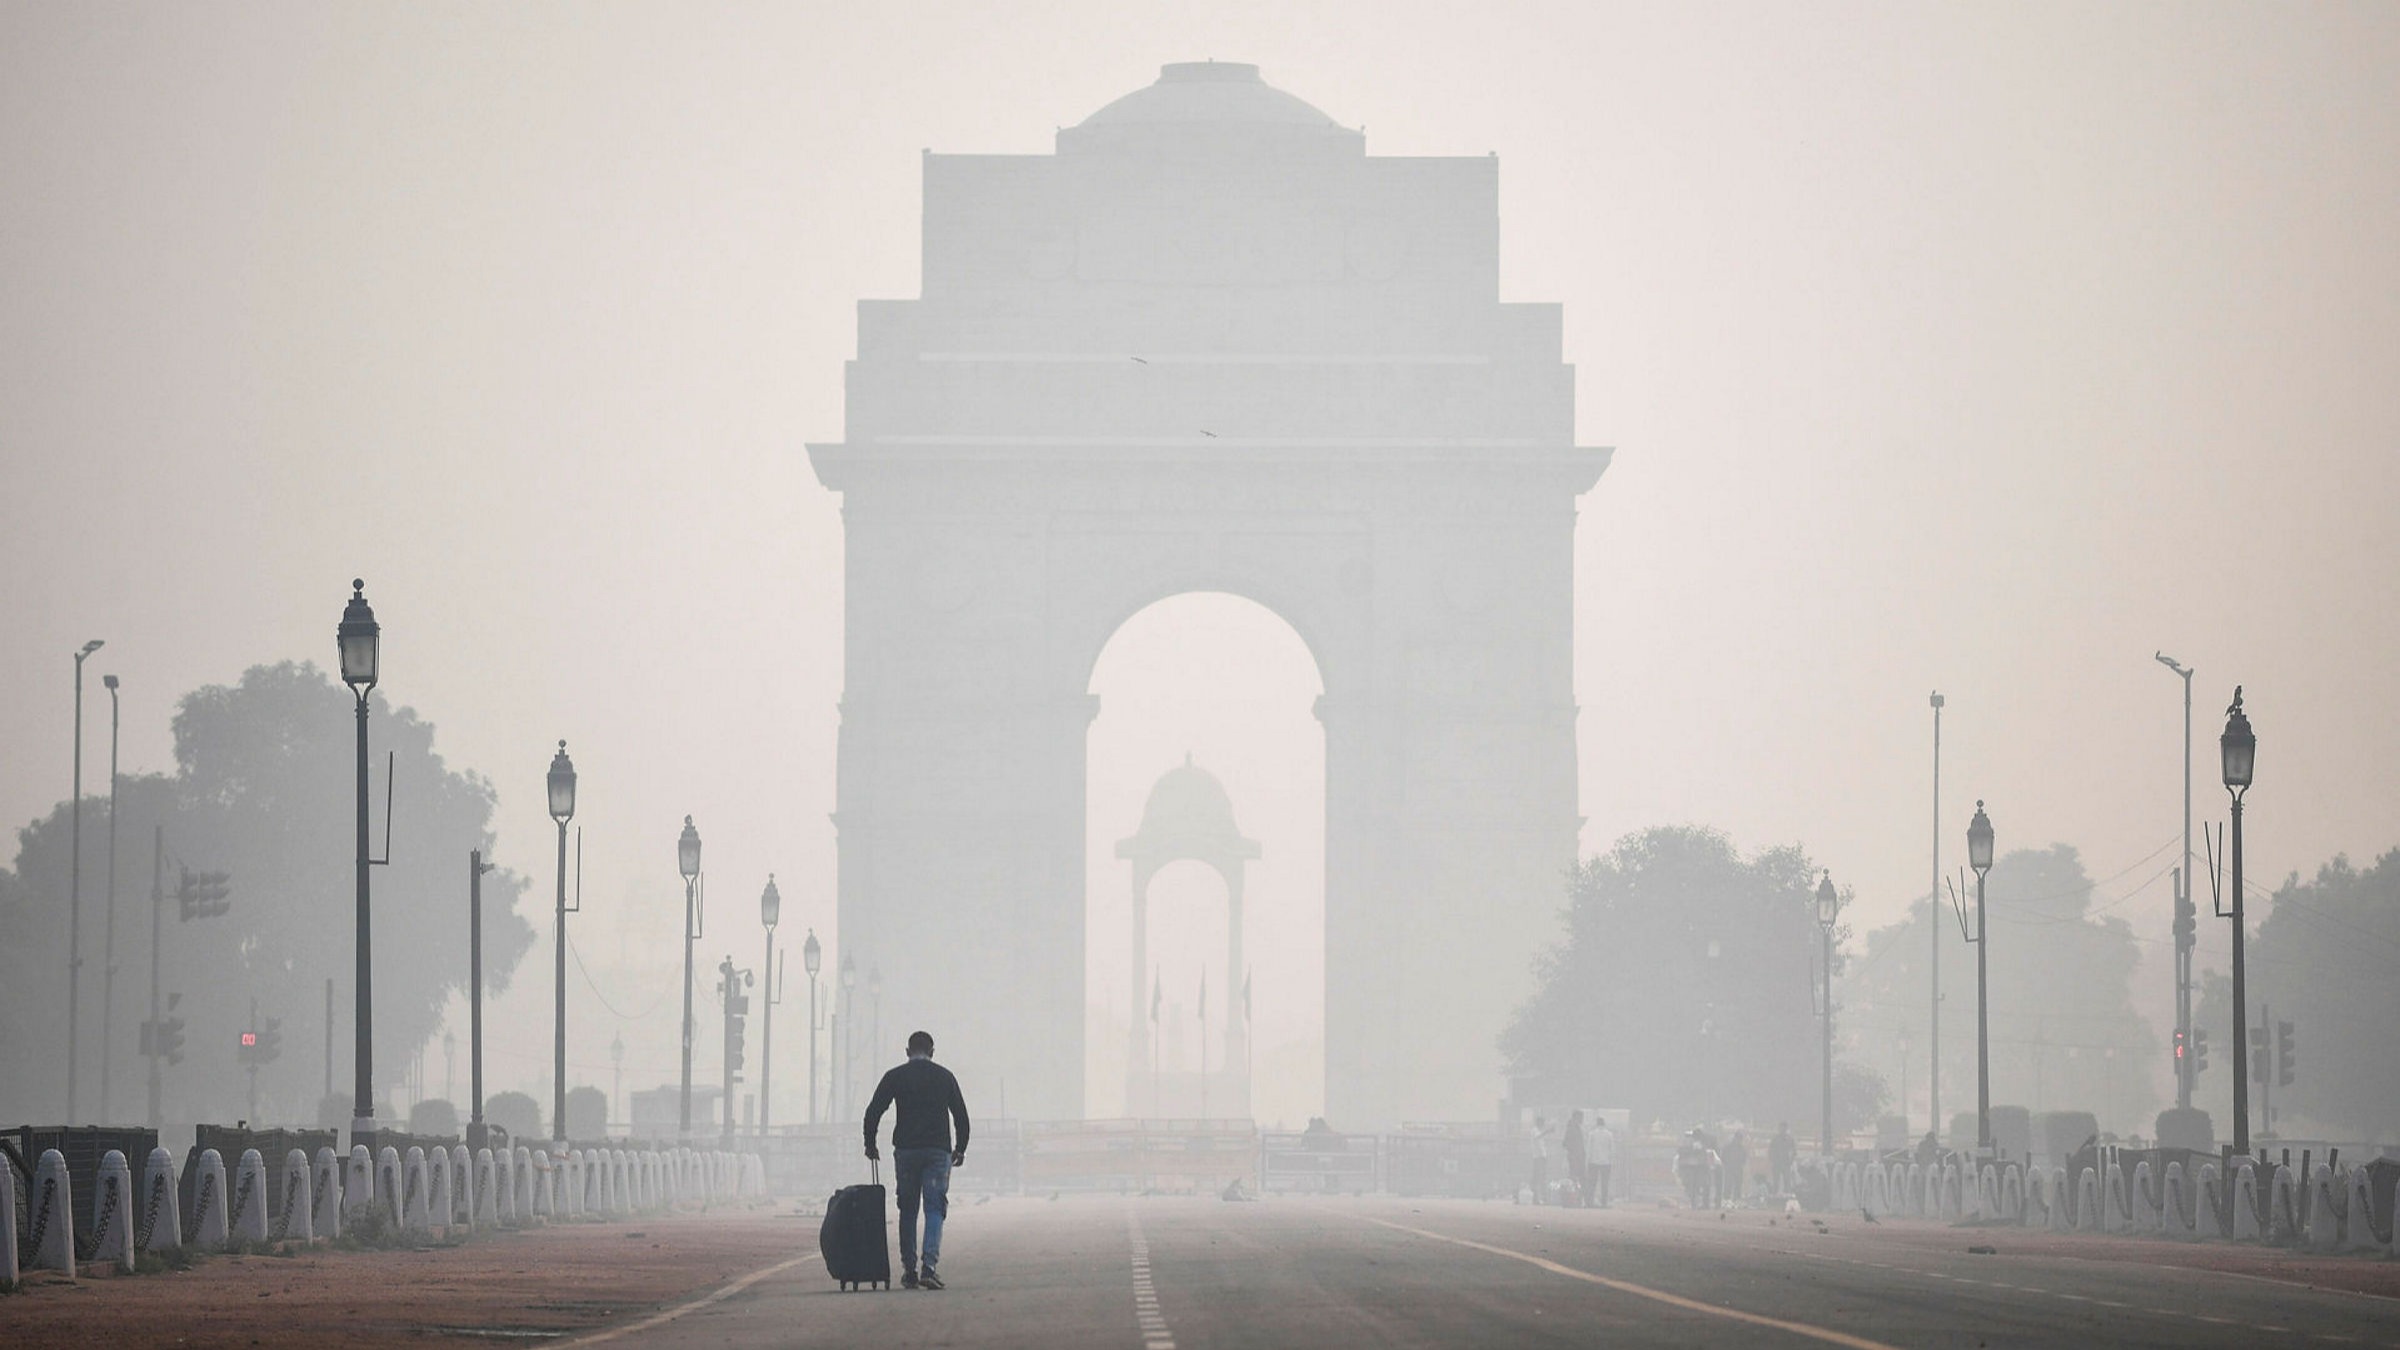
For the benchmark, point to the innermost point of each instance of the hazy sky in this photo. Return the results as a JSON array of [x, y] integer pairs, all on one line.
[[1986, 348]]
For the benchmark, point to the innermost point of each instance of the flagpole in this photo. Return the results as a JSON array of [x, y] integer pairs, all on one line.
[[1203, 1043]]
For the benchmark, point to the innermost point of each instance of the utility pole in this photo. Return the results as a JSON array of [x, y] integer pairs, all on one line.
[[75, 884], [158, 908], [2262, 1061], [476, 867], [2186, 913], [108, 949], [328, 1036]]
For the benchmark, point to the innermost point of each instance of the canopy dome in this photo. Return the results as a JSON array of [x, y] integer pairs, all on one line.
[[1203, 99], [1188, 815]]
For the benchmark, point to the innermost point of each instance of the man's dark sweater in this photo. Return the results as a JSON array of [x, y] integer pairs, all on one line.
[[928, 1097]]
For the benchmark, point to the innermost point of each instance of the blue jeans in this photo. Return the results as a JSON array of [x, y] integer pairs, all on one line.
[[924, 1177]]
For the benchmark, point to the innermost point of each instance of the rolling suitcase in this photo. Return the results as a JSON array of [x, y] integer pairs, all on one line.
[[855, 1237]]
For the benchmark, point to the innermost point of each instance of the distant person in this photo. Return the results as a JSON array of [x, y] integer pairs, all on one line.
[[1543, 1137], [1737, 1166], [1601, 1151], [1578, 1161], [1929, 1149], [1782, 1152], [922, 1154]]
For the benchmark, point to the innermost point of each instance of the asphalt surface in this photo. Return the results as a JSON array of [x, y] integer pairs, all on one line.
[[1178, 1274]]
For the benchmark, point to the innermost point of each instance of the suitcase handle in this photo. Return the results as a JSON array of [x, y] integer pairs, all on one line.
[[874, 1172]]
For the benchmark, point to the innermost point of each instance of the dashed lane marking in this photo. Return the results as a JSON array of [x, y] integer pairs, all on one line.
[[1155, 1335], [1809, 1330]]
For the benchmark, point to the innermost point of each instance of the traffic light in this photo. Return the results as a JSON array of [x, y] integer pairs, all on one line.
[[270, 1040], [2285, 1059], [733, 1041], [2259, 1065], [2179, 1047], [202, 895], [2199, 1050], [248, 1053], [166, 1040]]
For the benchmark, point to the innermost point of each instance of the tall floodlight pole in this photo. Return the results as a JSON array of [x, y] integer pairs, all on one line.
[[158, 910], [2239, 750], [562, 810], [687, 861], [770, 910], [108, 948], [1979, 857], [1933, 921], [1829, 909], [75, 880], [811, 956], [2186, 914], [361, 642]]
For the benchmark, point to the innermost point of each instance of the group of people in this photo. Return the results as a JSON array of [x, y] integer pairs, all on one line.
[[1589, 1150], [1714, 1174]]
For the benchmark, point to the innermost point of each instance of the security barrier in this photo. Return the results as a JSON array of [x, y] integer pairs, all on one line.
[[1319, 1163]]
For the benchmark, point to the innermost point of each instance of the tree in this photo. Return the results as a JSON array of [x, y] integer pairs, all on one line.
[[2322, 959], [434, 1116], [587, 1113], [2064, 1034], [515, 1112], [1683, 987], [262, 790]]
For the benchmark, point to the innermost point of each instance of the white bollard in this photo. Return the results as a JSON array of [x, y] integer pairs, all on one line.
[[2283, 1205], [249, 1207], [487, 1196], [2324, 1223], [522, 1172], [50, 1215], [439, 1201], [358, 1184], [2176, 1192], [329, 1195], [389, 1195], [8, 1226], [2062, 1201], [2358, 1217], [2245, 1201], [504, 1184], [2087, 1200], [2145, 1219], [210, 1221], [2208, 1201], [415, 1215], [298, 1221], [112, 1213], [545, 1193], [466, 1185], [162, 1218]]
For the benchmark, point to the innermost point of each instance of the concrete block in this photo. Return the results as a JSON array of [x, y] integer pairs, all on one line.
[[2283, 1206], [504, 1184], [2112, 1200], [416, 1213], [162, 1217], [112, 1213], [2324, 1215], [2087, 1201], [298, 1220], [2145, 1218], [545, 1193], [9, 1270], [50, 1216], [2208, 1200], [329, 1195], [486, 1208], [2176, 1211], [358, 1183], [389, 1196], [441, 1200], [2358, 1213]]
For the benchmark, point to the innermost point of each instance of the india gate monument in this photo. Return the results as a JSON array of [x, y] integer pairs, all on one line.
[[1210, 344]]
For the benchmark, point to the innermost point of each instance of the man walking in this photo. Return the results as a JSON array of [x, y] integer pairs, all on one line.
[[922, 1154], [1601, 1150]]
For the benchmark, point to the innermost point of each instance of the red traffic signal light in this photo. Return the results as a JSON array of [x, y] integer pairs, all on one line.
[[249, 1040]]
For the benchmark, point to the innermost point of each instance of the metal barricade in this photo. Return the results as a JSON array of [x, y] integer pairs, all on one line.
[[1320, 1163]]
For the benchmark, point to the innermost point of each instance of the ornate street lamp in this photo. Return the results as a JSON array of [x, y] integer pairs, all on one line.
[[2239, 749], [811, 957], [562, 809], [770, 909], [360, 642], [1979, 857], [687, 860], [1829, 909]]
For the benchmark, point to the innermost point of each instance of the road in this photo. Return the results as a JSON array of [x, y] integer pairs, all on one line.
[[1181, 1274]]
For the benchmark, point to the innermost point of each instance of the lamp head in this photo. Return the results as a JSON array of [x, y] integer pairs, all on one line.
[[770, 903], [2172, 664], [687, 850], [1937, 700], [849, 971], [88, 648], [1979, 840], [562, 786], [1829, 902], [812, 955], [2238, 746], [361, 641], [109, 682]]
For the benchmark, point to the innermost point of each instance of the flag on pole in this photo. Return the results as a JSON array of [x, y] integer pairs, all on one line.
[[1155, 990]]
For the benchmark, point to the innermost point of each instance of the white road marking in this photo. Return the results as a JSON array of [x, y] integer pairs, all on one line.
[[670, 1314], [1155, 1335]]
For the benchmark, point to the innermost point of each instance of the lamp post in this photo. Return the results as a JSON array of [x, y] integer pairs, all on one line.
[[1829, 908], [2185, 913], [562, 810], [616, 1075], [361, 643], [75, 878], [477, 1133], [848, 1058], [2239, 749], [874, 1010], [811, 956], [687, 860], [108, 949], [770, 909], [1933, 920], [1979, 857]]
